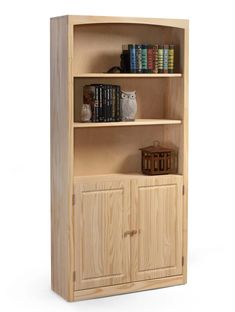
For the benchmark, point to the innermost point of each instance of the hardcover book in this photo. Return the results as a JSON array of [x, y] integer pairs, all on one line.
[[149, 58], [160, 58], [131, 48], [165, 58], [155, 59], [171, 58], [138, 58], [125, 59], [144, 58]]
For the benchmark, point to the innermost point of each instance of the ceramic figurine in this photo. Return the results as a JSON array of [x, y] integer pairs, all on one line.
[[128, 105], [86, 113]]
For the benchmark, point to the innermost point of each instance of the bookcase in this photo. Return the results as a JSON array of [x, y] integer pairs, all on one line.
[[113, 229]]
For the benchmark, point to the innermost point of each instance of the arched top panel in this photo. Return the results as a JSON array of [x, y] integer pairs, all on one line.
[[81, 20]]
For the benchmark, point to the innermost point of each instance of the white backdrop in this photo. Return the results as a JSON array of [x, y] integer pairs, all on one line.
[[24, 156]]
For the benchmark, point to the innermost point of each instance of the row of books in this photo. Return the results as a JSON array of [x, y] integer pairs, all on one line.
[[104, 100], [147, 58]]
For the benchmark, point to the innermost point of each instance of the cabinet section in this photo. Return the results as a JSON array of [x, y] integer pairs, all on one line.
[[157, 216], [101, 217]]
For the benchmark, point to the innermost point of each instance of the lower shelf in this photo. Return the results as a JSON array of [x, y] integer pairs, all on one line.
[[129, 287]]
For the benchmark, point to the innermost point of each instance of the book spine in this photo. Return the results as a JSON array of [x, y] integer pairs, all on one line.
[[160, 58], [131, 48], [171, 59], [165, 58], [110, 103], [101, 116], [149, 58], [105, 102], [118, 105], [114, 102], [144, 58], [155, 59], [138, 53], [125, 59]]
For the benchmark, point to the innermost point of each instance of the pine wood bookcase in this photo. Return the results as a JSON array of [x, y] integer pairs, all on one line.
[[114, 230]]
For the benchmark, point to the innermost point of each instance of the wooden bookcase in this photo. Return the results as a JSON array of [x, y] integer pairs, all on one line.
[[115, 230]]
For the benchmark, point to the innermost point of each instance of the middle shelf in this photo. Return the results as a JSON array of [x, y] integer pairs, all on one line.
[[126, 75], [137, 122]]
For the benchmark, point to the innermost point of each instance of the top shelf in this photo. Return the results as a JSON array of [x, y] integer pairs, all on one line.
[[126, 75]]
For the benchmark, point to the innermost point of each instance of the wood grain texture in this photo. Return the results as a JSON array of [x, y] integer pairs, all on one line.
[[137, 122], [104, 160], [117, 176], [128, 287], [101, 217], [157, 216], [112, 149], [151, 95], [82, 19], [61, 160], [185, 60], [121, 144], [126, 75], [92, 54]]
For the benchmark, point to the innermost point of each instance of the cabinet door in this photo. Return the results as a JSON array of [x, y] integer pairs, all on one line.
[[157, 216], [101, 217]]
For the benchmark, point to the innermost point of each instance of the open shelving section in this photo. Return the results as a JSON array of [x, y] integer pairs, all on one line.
[[115, 230]]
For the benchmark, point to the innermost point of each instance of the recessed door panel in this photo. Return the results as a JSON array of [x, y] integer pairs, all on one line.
[[102, 251], [157, 217]]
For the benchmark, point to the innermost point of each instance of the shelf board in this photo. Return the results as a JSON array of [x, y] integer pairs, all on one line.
[[137, 122], [111, 176], [127, 75]]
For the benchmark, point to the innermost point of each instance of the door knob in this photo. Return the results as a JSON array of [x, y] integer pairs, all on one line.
[[131, 233]]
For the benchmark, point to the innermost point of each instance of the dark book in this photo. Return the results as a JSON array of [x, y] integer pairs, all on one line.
[[171, 58], [165, 58], [110, 102], [144, 58], [149, 58], [90, 96], [131, 48], [125, 59], [105, 102], [160, 58], [138, 53], [118, 113], [99, 111], [101, 115], [114, 103]]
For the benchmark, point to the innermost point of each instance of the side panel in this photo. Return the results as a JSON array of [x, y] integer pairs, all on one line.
[[61, 160], [101, 217]]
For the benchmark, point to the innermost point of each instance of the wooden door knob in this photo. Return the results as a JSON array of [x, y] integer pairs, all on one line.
[[131, 233]]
